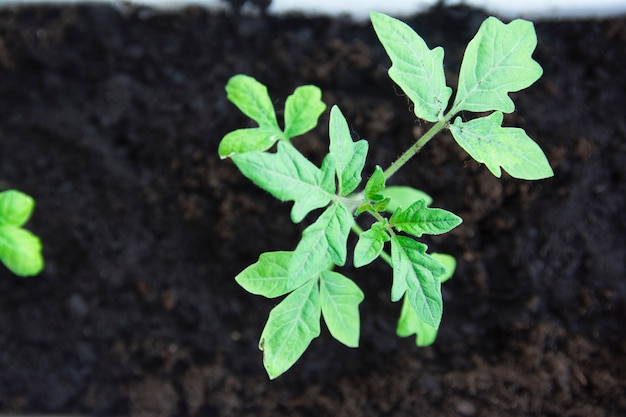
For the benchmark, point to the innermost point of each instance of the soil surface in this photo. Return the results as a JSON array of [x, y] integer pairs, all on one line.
[[111, 117]]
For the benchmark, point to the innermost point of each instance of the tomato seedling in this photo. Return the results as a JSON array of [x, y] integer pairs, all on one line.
[[497, 61]]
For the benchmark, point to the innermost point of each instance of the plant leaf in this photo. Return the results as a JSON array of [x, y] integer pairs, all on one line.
[[15, 208], [409, 323], [302, 110], [415, 272], [324, 242], [268, 276], [20, 251], [251, 97], [402, 196], [448, 262], [349, 156], [370, 245], [375, 185], [418, 219], [417, 69], [288, 176], [248, 140], [340, 299], [498, 60], [507, 147], [290, 328]]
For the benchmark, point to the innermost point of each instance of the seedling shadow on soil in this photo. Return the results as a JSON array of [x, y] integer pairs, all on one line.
[[111, 119]]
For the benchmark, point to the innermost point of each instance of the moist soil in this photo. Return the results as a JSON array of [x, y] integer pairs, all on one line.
[[110, 117]]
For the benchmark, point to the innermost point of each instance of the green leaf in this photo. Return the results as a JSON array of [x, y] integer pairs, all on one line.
[[498, 60], [288, 176], [324, 242], [416, 69], [15, 208], [448, 262], [248, 140], [251, 97], [349, 156], [340, 299], [268, 276], [409, 324], [507, 147], [370, 244], [418, 219], [416, 273], [402, 196], [375, 184], [20, 251], [290, 328], [302, 110]]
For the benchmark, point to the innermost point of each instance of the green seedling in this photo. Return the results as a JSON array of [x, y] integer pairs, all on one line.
[[20, 250], [497, 61]]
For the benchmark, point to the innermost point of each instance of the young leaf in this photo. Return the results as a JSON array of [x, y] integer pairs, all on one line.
[[409, 323], [288, 176], [340, 299], [418, 219], [302, 110], [375, 184], [251, 97], [349, 156], [416, 273], [448, 262], [324, 242], [507, 147], [247, 140], [370, 245], [20, 251], [498, 60], [15, 208], [291, 326], [268, 276], [416, 69], [402, 196]]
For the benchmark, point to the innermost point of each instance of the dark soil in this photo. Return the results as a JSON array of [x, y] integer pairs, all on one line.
[[111, 119]]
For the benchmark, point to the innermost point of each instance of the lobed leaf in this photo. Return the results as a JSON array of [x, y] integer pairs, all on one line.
[[288, 176], [349, 156], [370, 245], [290, 328], [252, 98], [15, 208], [302, 110], [498, 60], [417, 69], [340, 298], [409, 323], [418, 219], [323, 243], [269, 275], [20, 251], [416, 273], [507, 147]]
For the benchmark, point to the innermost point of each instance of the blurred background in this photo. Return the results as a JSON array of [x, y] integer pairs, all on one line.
[[360, 8]]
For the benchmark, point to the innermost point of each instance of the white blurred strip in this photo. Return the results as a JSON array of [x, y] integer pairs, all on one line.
[[359, 9]]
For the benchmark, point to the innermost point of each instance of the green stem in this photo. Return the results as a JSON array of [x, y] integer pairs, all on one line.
[[417, 146]]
